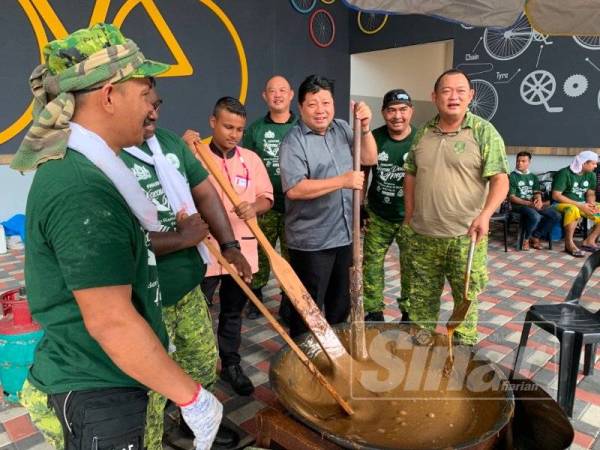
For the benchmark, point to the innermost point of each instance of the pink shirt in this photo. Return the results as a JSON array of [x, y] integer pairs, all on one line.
[[250, 180]]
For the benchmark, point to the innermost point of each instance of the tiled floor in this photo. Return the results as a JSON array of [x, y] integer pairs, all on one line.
[[517, 280]]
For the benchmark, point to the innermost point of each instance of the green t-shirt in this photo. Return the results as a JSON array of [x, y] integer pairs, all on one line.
[[264, 137], [572, 185], [386, 193], [81, 234], [523, 186], [179, 272]]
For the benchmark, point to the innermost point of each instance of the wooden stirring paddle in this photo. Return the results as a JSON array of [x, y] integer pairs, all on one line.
[[460, 311], [358, 347], [289, 281], [273, 322]]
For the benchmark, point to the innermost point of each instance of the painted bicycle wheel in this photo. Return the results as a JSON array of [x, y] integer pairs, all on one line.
[[588, 42], [485, 100], [508, 43], [303, 6], [328, 2], [321, 28], [371, 23]]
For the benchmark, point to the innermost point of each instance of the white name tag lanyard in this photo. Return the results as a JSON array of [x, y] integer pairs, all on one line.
[[239, 181]]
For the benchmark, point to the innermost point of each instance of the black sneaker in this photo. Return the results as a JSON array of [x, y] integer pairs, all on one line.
[[240, 383], [375, 316], [252, 312]]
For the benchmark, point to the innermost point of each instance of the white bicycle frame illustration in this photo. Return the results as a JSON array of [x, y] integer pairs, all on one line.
[[508, 43]]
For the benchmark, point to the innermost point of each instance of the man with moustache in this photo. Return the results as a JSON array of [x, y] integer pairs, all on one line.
[[318, 178], [264, 136], [386, 197], [456, 177], [90, 271], [169, 173]]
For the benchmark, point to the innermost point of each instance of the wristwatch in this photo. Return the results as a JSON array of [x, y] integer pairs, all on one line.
[[230, 244]]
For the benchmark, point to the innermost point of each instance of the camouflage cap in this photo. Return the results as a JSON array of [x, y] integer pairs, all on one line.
[[61, 54]]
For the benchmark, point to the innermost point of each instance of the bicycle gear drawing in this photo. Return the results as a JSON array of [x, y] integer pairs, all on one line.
[[575, 85], [537, 88]]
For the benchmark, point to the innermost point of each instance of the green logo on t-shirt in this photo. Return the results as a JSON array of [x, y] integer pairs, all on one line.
[[459, 147]]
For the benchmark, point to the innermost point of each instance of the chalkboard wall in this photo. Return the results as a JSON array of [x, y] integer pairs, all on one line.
[[537, 90]]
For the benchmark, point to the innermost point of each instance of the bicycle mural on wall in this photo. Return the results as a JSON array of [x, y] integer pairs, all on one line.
[[513, 59], [42, 16], [321, 24]]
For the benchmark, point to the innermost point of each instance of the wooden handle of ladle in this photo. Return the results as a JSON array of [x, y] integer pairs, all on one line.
[[273, 322]]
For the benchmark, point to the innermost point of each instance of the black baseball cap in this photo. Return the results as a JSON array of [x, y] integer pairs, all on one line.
[[396, 96]]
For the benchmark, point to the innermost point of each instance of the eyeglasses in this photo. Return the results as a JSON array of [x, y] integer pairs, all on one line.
[[156, 104], [439, 132]]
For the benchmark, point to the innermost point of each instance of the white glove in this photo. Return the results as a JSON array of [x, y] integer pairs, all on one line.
[[203, 416]]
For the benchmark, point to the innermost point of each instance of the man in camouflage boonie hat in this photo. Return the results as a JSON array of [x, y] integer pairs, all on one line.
[[456, 177], [83, 61], [90, 270]]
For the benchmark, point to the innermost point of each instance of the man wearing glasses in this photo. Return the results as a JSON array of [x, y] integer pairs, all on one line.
[[456, 177], [158, 164]]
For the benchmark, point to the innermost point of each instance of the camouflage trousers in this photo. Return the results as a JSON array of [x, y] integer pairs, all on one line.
[[272, 225], [42, 415], [189, 326], [379, 236], [427, 263]]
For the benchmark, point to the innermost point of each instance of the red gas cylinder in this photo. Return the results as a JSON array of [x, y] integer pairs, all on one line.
[[16, 315]]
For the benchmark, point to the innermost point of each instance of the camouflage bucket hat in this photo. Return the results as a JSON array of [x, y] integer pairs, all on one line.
[[85, 60], [80, 45]]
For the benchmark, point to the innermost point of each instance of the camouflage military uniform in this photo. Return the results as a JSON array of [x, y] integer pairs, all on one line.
[[42, 415], [431, 261], [386, 213], [452, 172], [264, 137], [379, 235], [272, 225], [189, 325]]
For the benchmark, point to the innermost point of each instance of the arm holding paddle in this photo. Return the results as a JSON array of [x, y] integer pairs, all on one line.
[[309, 189], [362, 113], [209, 204]]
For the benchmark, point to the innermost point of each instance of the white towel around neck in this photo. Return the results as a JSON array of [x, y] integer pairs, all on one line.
[[94, 148], [174, 184]]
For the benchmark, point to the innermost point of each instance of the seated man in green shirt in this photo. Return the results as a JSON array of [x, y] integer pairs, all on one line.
[[525, 196], [574, 190]]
